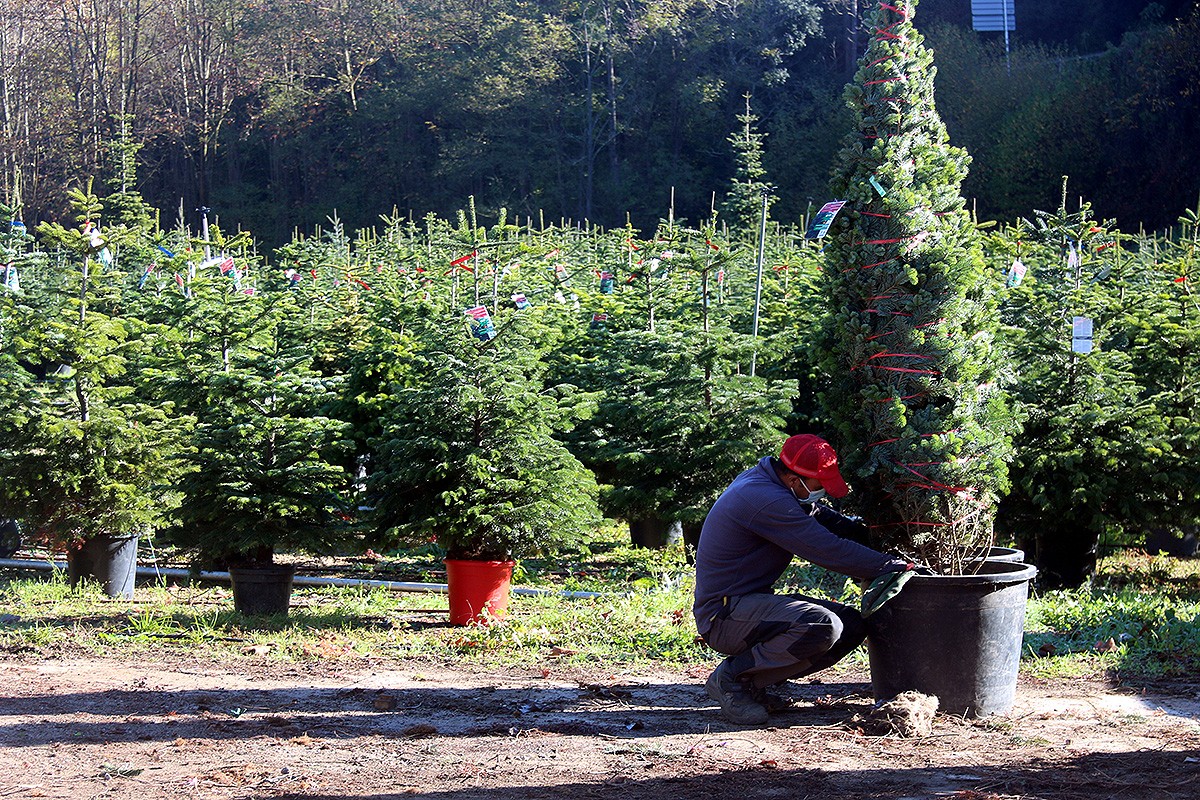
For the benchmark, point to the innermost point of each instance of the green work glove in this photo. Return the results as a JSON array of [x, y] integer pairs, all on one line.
[[884, 588]]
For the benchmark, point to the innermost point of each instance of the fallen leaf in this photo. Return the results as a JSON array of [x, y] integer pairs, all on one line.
[[769, 764], [126, 771], [385, 702], [419, 730], [562, 651]]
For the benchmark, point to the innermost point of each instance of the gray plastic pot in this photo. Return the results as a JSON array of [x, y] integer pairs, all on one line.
[[110, 560]]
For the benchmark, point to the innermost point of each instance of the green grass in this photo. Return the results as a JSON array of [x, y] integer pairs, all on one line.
[[636, 626], [1147, 606], [1138, 618]]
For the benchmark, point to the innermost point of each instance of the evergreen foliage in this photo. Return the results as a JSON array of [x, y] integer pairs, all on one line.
[[467, 456], [335, 386], [749, 191], [1110, 437], [914, 374], [675, 422], [83, 452], [266, 465]]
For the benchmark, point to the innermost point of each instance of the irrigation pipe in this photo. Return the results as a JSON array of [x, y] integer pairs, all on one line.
[[300, 580]]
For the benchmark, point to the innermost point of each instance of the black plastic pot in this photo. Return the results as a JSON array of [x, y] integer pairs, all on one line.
[[110, 560], [1009, 554], [958, 637], [654, 533], [10, 537], [262, 591]]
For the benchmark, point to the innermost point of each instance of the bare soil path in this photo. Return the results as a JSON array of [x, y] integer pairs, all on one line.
[[95, 728]]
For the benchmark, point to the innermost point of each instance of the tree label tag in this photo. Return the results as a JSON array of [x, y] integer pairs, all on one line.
[[520, 301], [12, 280], [823, 219], [877, 186], [1015, 274], [481, 323], [1081, 335], [1073, 261], [606, 283]]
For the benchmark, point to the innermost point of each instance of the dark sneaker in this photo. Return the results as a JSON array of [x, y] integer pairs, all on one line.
[[738, 704]]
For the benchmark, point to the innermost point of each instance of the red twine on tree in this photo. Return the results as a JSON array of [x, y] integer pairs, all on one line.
[[907, 370], [882, 241], [931, 483], [923, 436], [870, 266]]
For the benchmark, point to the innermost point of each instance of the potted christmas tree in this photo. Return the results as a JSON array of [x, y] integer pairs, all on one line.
[[915, 382], [264, 471], [1119, 393], [466, 458], [85, 454]]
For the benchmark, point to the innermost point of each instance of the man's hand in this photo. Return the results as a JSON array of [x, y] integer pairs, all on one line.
[[887, 586]]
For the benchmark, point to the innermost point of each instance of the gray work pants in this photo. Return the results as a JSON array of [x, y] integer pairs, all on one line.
[[779, 636]]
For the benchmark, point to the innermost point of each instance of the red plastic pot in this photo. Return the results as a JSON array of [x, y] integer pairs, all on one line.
[[479, 590]]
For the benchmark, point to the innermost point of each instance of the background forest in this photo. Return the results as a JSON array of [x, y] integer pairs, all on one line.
[[275, 113]]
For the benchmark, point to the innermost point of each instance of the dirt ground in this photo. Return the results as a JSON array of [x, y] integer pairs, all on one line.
[[199, 729]]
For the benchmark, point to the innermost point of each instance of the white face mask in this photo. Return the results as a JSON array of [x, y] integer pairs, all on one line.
[[813, 494]]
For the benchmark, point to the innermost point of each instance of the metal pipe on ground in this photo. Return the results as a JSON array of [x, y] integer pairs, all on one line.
[[39, 565]]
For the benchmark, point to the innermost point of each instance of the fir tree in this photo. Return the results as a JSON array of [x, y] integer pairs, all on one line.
[[743, 206], [83, 452], [910, 356], [266, 467], [1110, 437], [466, 455]]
